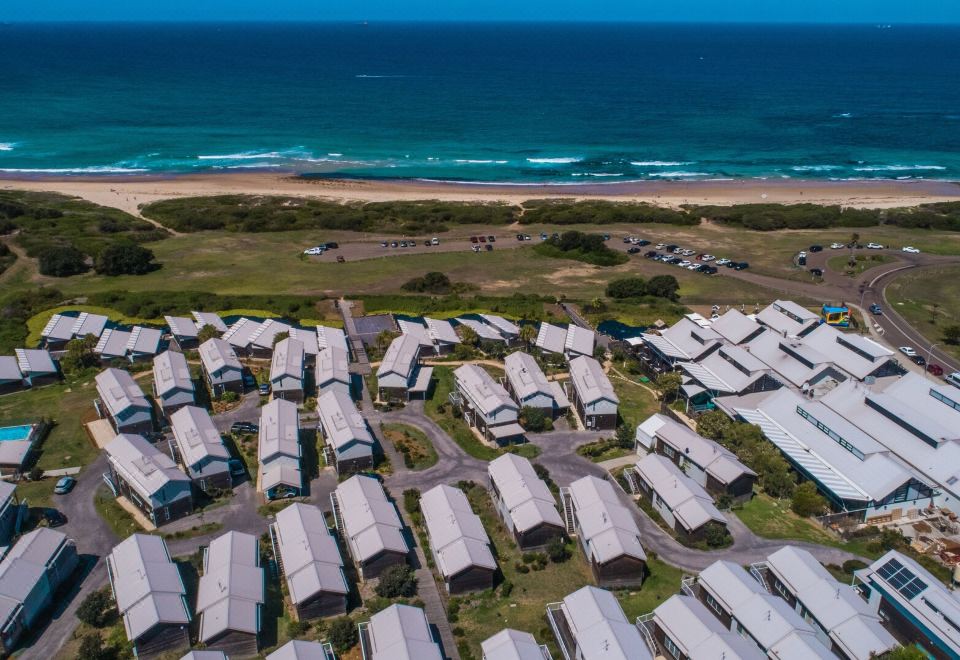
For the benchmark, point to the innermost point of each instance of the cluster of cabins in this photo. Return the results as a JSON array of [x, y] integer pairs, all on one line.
[[879, 442]]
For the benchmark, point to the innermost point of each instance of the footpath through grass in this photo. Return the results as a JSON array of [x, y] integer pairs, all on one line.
[[440, 410]]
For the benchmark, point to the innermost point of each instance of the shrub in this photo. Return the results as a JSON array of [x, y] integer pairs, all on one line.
[[343, 634], [80, 355], [852, 565], [411, 500], [62, 261], [397, 581], [229, 397], [589, 248], [627, 287], [97, 609], [297, 628], [557, 550], [432, 282], [807, 501], [534, 420], [91, 648], [664, 286], [124, 258], [506, 588], [717, 536]]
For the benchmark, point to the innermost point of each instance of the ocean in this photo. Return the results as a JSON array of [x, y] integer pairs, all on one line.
[[524, 103]]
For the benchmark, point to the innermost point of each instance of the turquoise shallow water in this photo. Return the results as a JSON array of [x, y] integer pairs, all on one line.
[[487, 103], [15, 432]]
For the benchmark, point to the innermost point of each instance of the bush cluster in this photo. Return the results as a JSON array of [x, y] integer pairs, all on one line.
[[588, 248]]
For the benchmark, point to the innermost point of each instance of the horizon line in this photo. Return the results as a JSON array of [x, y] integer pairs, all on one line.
[[461, 21]]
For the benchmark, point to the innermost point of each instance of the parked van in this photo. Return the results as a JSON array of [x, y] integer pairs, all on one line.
[[953, 379]]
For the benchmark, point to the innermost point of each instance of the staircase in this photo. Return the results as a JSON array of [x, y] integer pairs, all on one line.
[[630, 476], [569, 519], [335, 506], [688, 585], [759, 571], [645, 626]]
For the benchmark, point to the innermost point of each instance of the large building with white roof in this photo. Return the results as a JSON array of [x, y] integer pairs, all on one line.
[[529, 386], [349, 443], [592, 394], [730, 370], [589, 624], [524, 502], [122, 402], [369, 525], [231, 594], [287, 370], [486, 405], [788, 319], [309, 559], [221, 367], [607, 532], [400, 632], [684, 341], [458, 541], [150, 595], [149, 479], [173, 386], [400, 377], [198, 446], [736, 327], [279, 450]]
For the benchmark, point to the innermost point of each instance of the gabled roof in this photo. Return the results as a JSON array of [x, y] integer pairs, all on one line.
[[487, 395], [794, 361], [182, 327], [441, 331], [287, 361], [502, 325], [309, 554], [526, 497], [735, 326], [217, 354], [579, 340], [509, 644], [9, 368], [457, 536], [112, 343], [417, 330], [171, 373], [144, 467], [231, 589], [240, 332], [551, 338], [209, 318], [484, 331], [371, 522], [857, 355], [607, 527], [328, 336], [196, 436], [306, 336], [35, 361], [401, 357], [591, 383], [26, 563], [400, 632], [684, 340], [146, 585], [342, 423], [333, 366], [299, 649], [600, 628], [526, 377], [710, 456], [279, 430], [264, 334], [787, 317], [699, 634], [144, 341], [690, 503]]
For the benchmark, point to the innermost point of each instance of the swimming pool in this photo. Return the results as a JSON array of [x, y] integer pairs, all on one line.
[[15, 432]]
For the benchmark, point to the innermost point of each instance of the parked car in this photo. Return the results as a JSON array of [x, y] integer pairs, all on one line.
[[434, 241], [474, 239], [526, 237], [874, 246], [709, 270], [633, 250], [683, 263], [706, 257], [876, 309], [643, 243], [412, 243], [743, 265], [837, 246], [802, 260], [482, 239], [383, 244], [935, 369], [340, 259], [802, 253], [723, 262], [920, 360], [651, 254], [244, 427], [543, 236], [264, 389], [491, 239], [910, 249], [489, 247], [394, 244], [627, 239], [54, 518], [909, 351], [816, 272], [660, 246], [476, 248], [331, 245], [689, 253], [953, 378], [816, 248], [314, 251], [606, 237], [519, 237], [693, 266], [403, 244], [64, 485]]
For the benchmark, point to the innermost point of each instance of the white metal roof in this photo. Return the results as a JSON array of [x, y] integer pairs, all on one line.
[[196, 436], [144, 467], [417, 330], [35, 361], [401, 357], [441, 331], [264, 334], [9, 368], [579, 340], [328, 336], [309, 554], [526, 377], [306, 336], [509, 644], [333, 366], [342, 423], [457, 536], [600, 628], [591, 383], [279, 430], [25, 565], [401, 632], [551, 338], [484, 393], [735, 326], [699, 634], [231, 589], [239, 333], [371, 522], [112, 343], [858, 356], [607, 527], [171, 372], [710, 456], [684, 340], [287, 360], [484, 331], [209, 318], [217, 354], [144, 341], [502, 325], [526, 497], [299, 649], [181, 326], [690, 503], [786, 316]]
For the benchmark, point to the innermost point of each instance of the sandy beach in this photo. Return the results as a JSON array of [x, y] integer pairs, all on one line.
[[130, 193]]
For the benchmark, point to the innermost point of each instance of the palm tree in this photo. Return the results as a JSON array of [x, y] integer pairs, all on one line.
[[528, 334], [468, 336]]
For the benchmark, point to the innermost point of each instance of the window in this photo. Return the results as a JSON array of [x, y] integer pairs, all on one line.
[[669, 451], [780, 587], [671, 648], [943, 398], [714, 605], [836, 437]]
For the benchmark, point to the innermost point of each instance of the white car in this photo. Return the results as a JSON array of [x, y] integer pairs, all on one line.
[[911, 249], [689, 253], [678, 251], [314, 251], [722, 262], [837, 246], [434, 241], [707, 257], [693, 266], [684, 263], [802, 254], [874, 246], [660, 246], [908, 351]]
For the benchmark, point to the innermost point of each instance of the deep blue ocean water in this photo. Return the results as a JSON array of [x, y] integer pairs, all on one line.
[[525, 103]]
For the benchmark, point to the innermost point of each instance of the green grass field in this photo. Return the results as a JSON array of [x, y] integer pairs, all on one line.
[[413, 444], [929, 300], [637, 403], [862, 263]]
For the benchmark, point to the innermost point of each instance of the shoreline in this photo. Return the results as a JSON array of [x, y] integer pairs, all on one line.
[[129, 192]]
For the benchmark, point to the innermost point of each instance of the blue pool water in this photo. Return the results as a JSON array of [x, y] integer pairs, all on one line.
[[15, 432]]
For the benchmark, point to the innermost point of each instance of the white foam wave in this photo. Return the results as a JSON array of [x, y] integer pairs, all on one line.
[[334, 155], [362, 75], [898, 168], [553, 161], [75, 170], [678, 174], [815, 168], [469, 161], [7, 146], [843, 115], [531, 184], [597, 174], [246, 155], [660, 163]]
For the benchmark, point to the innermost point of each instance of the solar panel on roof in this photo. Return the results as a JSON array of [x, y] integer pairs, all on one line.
[[902, 579]]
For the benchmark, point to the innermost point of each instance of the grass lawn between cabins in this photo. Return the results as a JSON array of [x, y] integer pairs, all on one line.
[[637, 402], [484, 614], [413, 444]]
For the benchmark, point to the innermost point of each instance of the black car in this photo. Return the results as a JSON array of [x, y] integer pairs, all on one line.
[[244, 427], [643, 242], [491, 239], [801, 261], [519, 237], [816, 248], [731, 264], [331, 246], [743, 265], [651, 254], [489, 247], [816, 272], [54, 518], [671, 248], [675, 261], [633, 250], [919, 359]]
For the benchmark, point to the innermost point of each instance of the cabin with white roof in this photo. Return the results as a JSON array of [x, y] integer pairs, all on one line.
[[37, 366], [184, 332], [287, 370], [198, 446], [333, 371], [279, 450], [11, 379], [443, 335], [369, 524], [400, 377], [682, 627], [458, 541], [524, 502], [529, 387], [221, 367], [592, 394], [399, 632], [589, 624], [62, 328], [122, 402], [487, 406], [149, 479], [349, 443], [173, 386]]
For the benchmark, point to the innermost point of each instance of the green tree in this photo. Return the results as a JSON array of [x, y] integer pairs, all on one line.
[[528, 334], [807, 501], [124, 258], [468, 335], [432, 282], [397, 581], [716, 536], [712, 424], [534, 419], [664, 286], [625, 437], [904, 653], [279, 337], [97, 609], [91, 648], [627, 287], [343, 634], [62, 261], [384, 339], [668, 384], [557, 550], [206, 333], [80, 354], [951, 334]]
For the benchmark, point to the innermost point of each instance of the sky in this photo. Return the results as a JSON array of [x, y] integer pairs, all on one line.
[[821, 11]]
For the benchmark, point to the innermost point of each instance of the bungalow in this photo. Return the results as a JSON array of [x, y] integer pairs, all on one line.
[[418, 331], [31, 574], [524, 502], [279, 450], [708, 463], [37, 366], [184, 332], [608, 533], [684, 341], [199, 448], [205, 655], [730, 370], [510, 644], [400, 376], [329, 337], [333, 371], [150, 595], [487, 406], [489, 337], [788, 319], [62, 328], [122, 402], [173, 386], [842, 620], [443, 335], [301, 649], [10, 512], [307, 337], [286, 370], [350, 444], [16, 452], [682, 503], [137, 344], [551, 338], [589, 624], [593, 396], [221, 367], [203, 319], [742, 605], [238, 335], [401, 632], [529, 387], [918, 607], [11, 379], [458, 541], [682, 627], [231, 594], [148, 478], [261, 340], [579, 341], [369, 525], [309, 558], [507, 329]]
